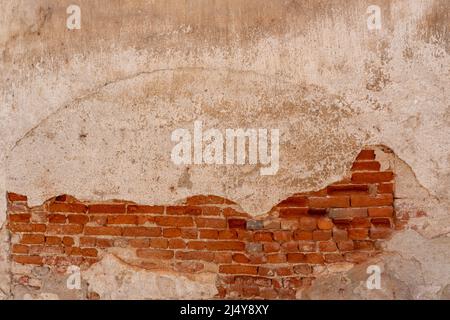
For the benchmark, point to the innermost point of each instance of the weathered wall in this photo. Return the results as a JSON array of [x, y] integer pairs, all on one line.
[[90, 112]]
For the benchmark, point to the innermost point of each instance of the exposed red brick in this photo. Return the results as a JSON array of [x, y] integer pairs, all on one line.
[[28, 259], [27, 227], [263, 236], [238, 269], [139, 231], [292, 213], [296, 257], [303, 235], [333, 257], [307, 223], [372, 177], [348, 189], [184, 210], [327, 246], [366, 155], [368, 201], [77, 218], [290, 246], [228, 234], [175, 221], [19, 248], [283, 235], [32, 239], [366, 166], [189, 266], [380, 233], [381, 212], [89, 252], [226, 245], [107, 208], [240, 258], [358, 234], [206, 199], [21, 217], [171, 232], [321, 235], [208, 234], [359, 222], [136, 209], [339, 234], [107, 231], [67, 207], [139, 243], [194, 255], [314, 258], [324, 223], [356, 256], [237, 223], [329, 202], [13, 197], [177, 244], [51, 241], [211, 211], [385, 188], [122, 219], [296, 201], [159, 243], [154, 254], [346, 245], [271, 247]]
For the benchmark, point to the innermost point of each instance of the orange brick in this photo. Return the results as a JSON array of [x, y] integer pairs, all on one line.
[[346, 245], [105, 243], [89, 252], [238, 269], [322, 235], [356, 256], [307, 223], [366, 155], [139, 231], [188, 233], [296, 201], [26, 227], [67, 207], [276, 258], [208, 234], [358, 234], [385, 188], [314, 258], [292, 213], [159, 243], [324, 223], [359, 222], [206, 199], [197, 245], [226, 245], [108, 231], [139, 243], [32, 239], [283, 235], [329, 202], [227, 234], [271, 247], [290, 246], [366, 166], [339, 234], [24, 217], [333, 257], [381, 212], [306, 246], [303, 235], [211, 211], [51, 241], [107, 208], [372, 177], [195, 255], [145, 209], [177, 244], [19, 248], [154, 254], [174, 221], [28, 259], [56, 218], [381, 222], [327, 246], [171, 232], [13, 197], [78, 218], [184, 210], [64, 229], [237, 223], [348, 189], [122, 219], [263, 236], [240, 258], [368, 201], [363, 245], [210, 222], [223, 257], [296, 257]]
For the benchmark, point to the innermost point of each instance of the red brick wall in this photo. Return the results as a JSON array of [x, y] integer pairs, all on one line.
[[269, 256]]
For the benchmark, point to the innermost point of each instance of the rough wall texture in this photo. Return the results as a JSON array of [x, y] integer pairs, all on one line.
[[90, 113]]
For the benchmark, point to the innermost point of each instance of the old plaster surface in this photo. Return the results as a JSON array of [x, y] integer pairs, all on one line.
[[90, 112]]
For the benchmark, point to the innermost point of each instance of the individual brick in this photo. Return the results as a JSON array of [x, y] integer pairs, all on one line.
[[296, 258], [327, 246], [154, 254], [306, 246], [292, 213], [372, 177], [237, 223], [368, 201], [303, 235], [314, 258], [366, 166], [19, 248], [321, 235], [325, 223], [333, 257], [78, 218], [340, 234], [28, 259], [195, 255], [226, 245], [380, 233], [366, 155], [348, 189], [136, 209], [385, 188], [360, 222], [107, 231], [208, 234], [23, 217], [346, 245], [184, 210], [14, 197], [107, 208], [172, 232], [175, 221], [263, 236], [276, 258], [381, 222], [122, 219], [57, 218], [295, 201], [381, 212], [307, 223], [227, 234], [329, 202], [64, 229], [158, 243], [238, 269], [356, 256], [283, 235], [290, 246], [271, 247], [67, 207]]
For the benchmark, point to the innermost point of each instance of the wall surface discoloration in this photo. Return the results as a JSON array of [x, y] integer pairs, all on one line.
[[90, 112]]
